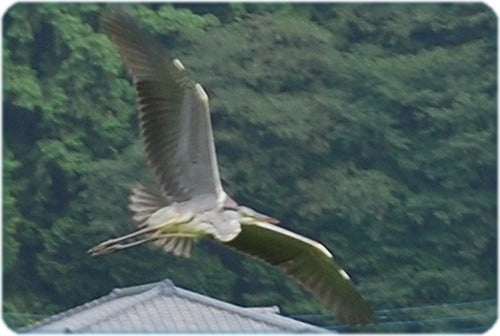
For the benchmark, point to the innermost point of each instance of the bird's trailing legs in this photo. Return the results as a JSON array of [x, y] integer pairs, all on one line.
[[120, 243]]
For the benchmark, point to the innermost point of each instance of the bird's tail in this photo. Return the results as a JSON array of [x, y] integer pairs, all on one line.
[[144, 203]]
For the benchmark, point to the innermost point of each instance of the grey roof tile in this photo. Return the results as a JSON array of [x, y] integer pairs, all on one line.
[[163, 307]]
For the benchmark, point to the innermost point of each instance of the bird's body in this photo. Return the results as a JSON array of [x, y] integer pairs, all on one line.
[[176, 128]]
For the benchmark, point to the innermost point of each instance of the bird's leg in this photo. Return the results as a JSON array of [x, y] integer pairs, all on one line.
[[117, 246], [105, 245], [113, 244], [100, 250]]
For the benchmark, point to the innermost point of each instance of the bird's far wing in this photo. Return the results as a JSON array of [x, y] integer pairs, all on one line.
[[174, 114], [310, 264]]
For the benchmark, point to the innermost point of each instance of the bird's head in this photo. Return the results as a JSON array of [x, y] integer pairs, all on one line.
[[250, 216]]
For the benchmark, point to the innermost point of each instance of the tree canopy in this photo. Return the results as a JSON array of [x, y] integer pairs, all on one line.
[[369, 127]]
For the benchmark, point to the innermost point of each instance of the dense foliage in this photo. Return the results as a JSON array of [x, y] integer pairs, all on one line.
[[371, 128]]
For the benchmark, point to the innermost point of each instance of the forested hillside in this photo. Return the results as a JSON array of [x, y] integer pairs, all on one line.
[[369, 127]]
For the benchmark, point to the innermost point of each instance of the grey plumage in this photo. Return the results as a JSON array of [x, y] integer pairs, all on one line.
[[176, 129]]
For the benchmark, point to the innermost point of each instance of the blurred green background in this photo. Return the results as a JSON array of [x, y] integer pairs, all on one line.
[[369, 127]]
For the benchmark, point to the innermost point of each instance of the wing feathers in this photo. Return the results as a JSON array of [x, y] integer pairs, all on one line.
[[174, 116], [175, 125], [309, 263]]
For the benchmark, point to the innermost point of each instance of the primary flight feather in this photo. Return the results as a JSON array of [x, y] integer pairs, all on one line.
[[175, 126]]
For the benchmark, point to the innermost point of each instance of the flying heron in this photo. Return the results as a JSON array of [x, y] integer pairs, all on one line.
[[176, 129]]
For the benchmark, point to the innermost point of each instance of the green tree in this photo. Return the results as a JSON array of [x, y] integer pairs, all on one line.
[[368, 127]]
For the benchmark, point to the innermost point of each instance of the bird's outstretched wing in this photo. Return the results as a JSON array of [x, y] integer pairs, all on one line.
[[310, 264], [174, 113]]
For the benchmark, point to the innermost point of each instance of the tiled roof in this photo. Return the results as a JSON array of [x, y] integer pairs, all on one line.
[[163, 307]]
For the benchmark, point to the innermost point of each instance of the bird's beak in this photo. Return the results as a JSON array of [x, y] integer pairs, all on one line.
[[266, 219], [250, 216], [271, 220]]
